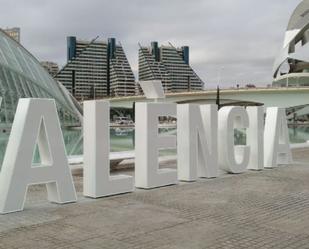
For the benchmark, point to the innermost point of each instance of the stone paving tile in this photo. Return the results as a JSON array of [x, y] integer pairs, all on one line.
[[101, 243], [131, 220], [265, 209]]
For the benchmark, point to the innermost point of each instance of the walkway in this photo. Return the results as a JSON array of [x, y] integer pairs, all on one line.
[[267, 209]]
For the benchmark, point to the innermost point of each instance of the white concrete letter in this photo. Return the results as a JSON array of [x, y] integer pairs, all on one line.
[[255, 137], [197, 150], [147, 145], [97, 179], [36, 121], [276, 138], [233, 159]]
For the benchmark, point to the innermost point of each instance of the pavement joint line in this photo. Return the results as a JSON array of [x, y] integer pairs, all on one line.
[[258, 209]]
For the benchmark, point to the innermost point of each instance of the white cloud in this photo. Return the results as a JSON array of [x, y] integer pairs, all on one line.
[[243, 36]]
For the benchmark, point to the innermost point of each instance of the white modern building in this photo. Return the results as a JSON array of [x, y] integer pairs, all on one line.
[[291, 66], [22, 76], [51, 67], [170, 65], [96, 69], [14, 33]]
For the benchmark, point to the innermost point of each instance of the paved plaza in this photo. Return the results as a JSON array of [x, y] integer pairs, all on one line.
[[267, 209]]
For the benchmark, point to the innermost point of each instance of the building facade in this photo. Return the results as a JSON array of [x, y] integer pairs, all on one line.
[[51, 67], [14, 33], [22, 76], [170, 65], [96, 69], [291, 67]]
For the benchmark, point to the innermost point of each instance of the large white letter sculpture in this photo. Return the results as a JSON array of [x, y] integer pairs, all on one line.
[[233, 159], [147, 145], [97, 179], [276, 138], [255, 137], [36, 121], [197, 153]]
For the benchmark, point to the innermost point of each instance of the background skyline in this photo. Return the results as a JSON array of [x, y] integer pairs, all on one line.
[[240, 38]]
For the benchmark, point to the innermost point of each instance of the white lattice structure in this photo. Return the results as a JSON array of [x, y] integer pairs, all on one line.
[[291, 66]]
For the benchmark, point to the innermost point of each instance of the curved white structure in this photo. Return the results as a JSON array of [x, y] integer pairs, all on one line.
[[22, 76], [292, 53]]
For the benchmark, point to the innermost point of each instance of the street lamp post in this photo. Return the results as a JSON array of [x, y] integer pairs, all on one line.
[[219, 75]]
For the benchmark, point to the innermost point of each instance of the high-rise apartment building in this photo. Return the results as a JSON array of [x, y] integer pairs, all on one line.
[[170, 65], [14, 33], [51, 67], [96, 69]]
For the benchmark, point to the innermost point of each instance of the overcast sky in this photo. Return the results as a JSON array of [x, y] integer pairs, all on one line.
[[240, 38]]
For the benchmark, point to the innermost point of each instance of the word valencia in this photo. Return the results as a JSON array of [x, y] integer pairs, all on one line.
[[204, 142]]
